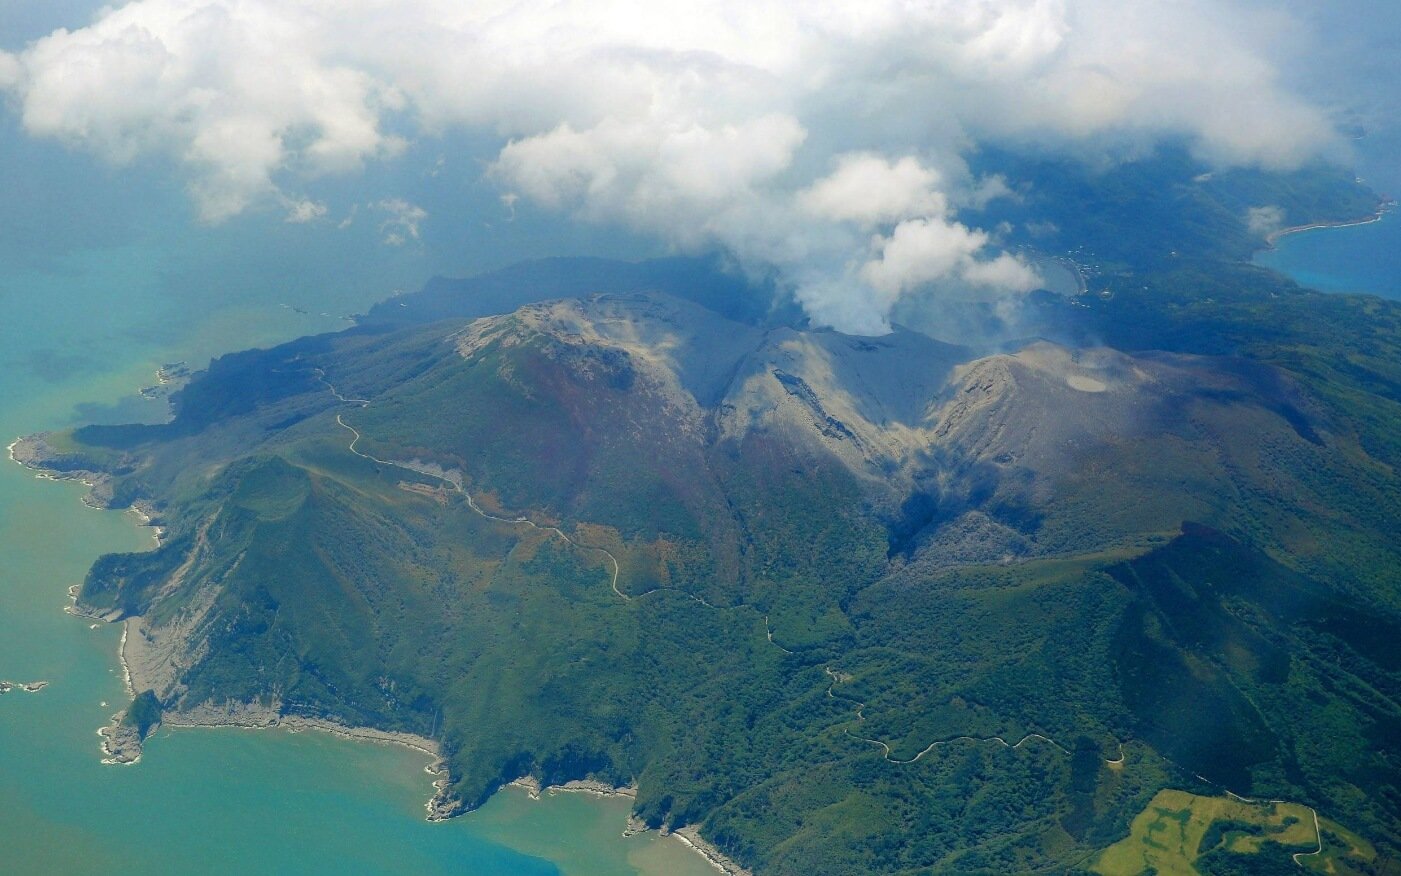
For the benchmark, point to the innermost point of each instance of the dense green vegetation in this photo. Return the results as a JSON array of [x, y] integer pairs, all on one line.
[[1146, 215], [1205, 601], [143, 714]]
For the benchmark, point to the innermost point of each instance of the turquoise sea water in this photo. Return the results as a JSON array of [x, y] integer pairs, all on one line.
[[82, 327], [1357, 258]]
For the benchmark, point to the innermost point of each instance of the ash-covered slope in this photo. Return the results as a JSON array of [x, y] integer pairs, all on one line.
[[760, 572]]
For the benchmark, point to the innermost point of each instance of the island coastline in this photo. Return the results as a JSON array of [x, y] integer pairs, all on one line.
[[689, 836], [123, 745], [1382, 210]]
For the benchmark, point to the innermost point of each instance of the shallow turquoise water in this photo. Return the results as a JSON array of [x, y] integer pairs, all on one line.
[[80, 331], [1357, 258]]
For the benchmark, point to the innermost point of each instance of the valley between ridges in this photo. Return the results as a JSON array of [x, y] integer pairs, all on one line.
[[457, 486], [693, 839]]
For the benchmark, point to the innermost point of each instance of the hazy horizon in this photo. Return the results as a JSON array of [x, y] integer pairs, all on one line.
[[409, 180]]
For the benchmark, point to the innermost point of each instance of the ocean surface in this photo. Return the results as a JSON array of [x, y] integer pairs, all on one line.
[[1354, 258], [84, 323]]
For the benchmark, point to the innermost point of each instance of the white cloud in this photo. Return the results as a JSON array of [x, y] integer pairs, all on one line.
[[403, 222], [1005, 272], [1264, 221], [920, 252], [989, 189], [302, 211], [823, 139], [869, 189], [508, 200], [645, 169], [9, 70]]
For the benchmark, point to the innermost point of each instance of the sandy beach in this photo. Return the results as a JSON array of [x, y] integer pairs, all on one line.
[[690, 835], [1274, 236]]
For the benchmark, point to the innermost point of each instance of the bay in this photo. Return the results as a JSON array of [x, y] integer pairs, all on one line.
[[1355, 258]]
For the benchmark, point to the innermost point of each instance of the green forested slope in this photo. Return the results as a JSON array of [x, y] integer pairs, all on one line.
[[974, 627]]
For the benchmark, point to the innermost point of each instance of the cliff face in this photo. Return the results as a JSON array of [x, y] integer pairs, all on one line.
[[122, 739], [754, 569]]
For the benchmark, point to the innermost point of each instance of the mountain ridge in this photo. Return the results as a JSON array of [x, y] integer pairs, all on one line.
[[794, 584]]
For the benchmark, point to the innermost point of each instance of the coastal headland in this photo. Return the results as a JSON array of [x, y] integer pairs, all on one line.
[[123, 738], [1382, 210]]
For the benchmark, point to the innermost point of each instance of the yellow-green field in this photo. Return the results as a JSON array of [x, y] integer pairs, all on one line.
[[1167, 836], [1342, 850]]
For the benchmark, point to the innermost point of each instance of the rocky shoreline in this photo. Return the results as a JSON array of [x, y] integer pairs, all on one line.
[[35, 453], [26, 686], [121, 742], [258, 716], [123, 739], [688, 835], [532, 786], [170, 377]]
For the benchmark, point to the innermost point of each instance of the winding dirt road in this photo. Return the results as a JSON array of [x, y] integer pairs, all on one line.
[[886, 751], [457, 486], [1317, 829], [472, 502]]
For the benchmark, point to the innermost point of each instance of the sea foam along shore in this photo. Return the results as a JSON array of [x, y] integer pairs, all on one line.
[[34, 453], [690, 835]]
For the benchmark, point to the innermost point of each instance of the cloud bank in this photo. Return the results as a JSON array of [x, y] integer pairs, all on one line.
[[822, 140]]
